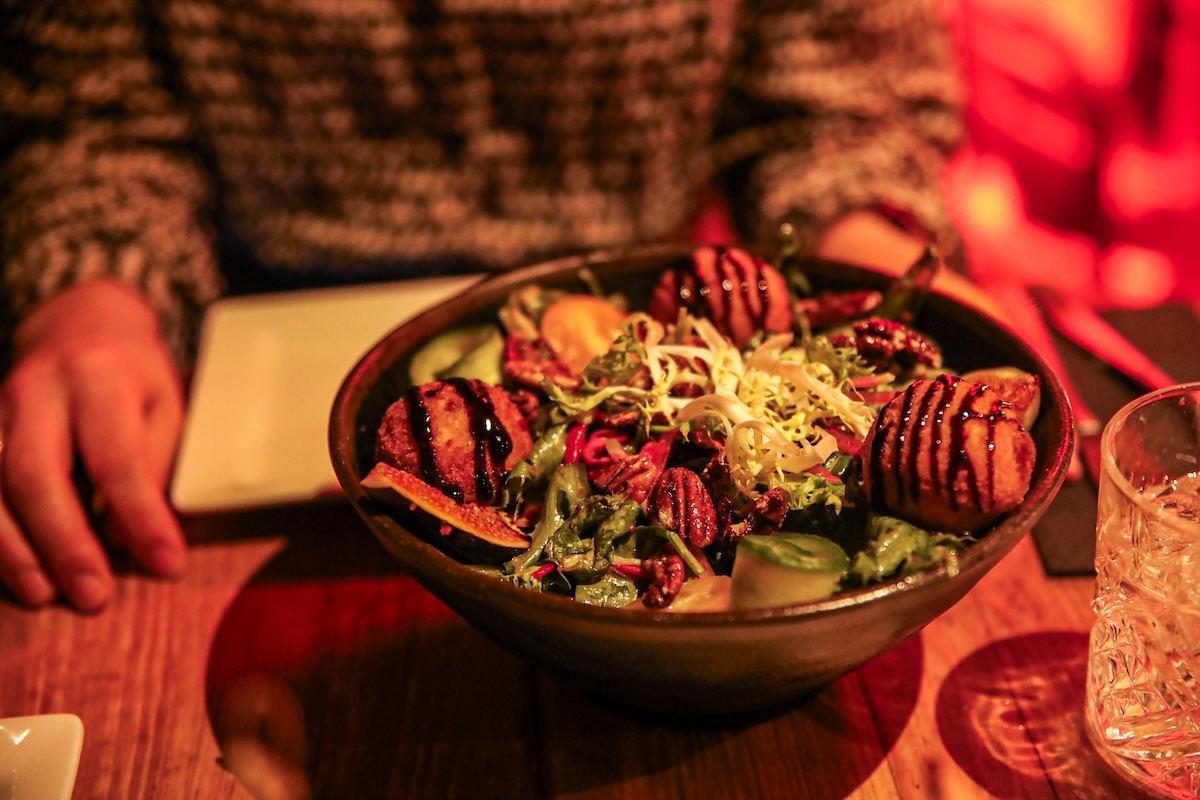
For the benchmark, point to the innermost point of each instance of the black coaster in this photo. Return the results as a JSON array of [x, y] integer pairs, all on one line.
[[1066, 535]]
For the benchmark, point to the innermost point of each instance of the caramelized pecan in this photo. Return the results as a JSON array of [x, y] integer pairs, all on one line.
[[765, 516], [527, 362], [666, 572], [769, 511], [635, 476], [680, 502], [889, 345]]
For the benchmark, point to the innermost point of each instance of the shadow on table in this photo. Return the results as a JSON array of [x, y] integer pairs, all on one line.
[[328, 513], [333, 674], [1012, 712]]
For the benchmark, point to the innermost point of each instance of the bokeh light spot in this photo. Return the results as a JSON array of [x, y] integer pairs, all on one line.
[[991, 197], [1136, 277]]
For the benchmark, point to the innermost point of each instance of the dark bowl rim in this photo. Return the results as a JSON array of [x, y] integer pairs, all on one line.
[[430, 566]]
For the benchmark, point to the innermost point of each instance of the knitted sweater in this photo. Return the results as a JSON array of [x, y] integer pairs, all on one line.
[[172, 143]]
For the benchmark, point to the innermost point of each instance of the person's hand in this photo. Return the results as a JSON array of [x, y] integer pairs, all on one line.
[[92, 376], [866, 238]]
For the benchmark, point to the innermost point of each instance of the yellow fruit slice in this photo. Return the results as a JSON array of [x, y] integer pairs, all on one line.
[[580, 327], [710, 593]]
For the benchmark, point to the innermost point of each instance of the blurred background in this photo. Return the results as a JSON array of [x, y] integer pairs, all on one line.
[[1082, 169]]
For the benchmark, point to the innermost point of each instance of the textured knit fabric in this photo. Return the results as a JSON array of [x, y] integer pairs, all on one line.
[[170, 143]]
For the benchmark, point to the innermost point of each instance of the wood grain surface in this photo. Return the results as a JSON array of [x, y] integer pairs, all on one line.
[[294, 659]]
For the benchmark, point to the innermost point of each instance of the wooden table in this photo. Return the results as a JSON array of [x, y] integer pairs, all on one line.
[[307, 636], [292, 639]]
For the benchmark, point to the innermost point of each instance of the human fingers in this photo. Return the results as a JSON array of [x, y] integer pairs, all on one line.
[[19, 566], [123, 429], [164, 422], [35, 472]]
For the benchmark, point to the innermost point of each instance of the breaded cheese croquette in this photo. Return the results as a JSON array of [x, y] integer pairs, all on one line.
[[947, 454], [740, 293], [459, 435]]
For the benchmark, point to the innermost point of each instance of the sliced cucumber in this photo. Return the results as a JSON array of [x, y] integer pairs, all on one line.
[[785, 568], [471, 352]]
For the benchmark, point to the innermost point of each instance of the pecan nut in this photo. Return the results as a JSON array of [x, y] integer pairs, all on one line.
[[889, 345], [680, 502], [634, 477], [667, 574]]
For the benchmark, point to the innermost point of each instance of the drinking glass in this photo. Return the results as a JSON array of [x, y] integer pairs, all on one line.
[[1143, 694]]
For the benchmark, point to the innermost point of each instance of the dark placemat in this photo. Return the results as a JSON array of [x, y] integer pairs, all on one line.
[[1066, 535]]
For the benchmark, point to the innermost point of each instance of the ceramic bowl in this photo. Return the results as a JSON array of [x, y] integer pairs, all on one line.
[[707, 663]]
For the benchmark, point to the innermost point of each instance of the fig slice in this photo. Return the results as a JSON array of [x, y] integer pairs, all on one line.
[[579, 327], [1020, 389], [486, 523]]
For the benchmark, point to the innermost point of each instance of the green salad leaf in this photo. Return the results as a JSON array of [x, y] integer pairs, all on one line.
[[896, 548]]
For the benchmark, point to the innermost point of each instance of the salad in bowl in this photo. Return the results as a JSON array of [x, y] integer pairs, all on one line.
[[695, 500], [741, 441]]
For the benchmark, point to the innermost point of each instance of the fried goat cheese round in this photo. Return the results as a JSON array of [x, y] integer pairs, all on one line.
[[459, 435], [740, 293], [947, 454]]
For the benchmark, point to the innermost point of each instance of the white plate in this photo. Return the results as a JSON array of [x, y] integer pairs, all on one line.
[[266, 374], [39, 756]]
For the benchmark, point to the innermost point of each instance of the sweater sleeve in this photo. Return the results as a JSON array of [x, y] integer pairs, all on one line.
[[97, 177], [838, 105]]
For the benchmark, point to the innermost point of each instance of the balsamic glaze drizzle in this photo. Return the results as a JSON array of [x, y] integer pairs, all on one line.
[[422, 431], [923, 413], [940, 394], [750, 275], [492, 441], [736, 275], [960, 461], [488, 433]]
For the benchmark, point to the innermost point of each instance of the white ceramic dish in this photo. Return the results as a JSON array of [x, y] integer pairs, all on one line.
[[266, 374], [39, 756]]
